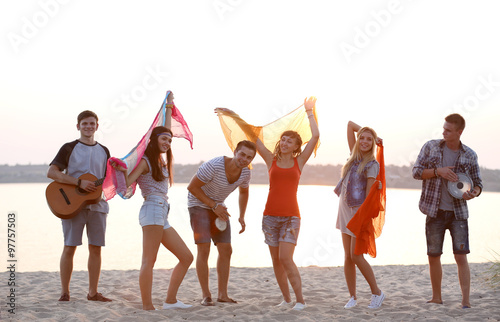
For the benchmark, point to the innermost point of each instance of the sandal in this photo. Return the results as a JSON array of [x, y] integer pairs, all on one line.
[[228, 300], [98, 297], [64, 297]]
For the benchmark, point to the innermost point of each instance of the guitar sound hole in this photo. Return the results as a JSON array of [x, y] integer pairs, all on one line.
[[82, 191]]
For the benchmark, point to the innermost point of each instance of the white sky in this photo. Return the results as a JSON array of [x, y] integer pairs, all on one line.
[[397, 66]]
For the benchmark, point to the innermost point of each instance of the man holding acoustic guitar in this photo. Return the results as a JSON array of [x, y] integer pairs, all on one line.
[[83, 162]]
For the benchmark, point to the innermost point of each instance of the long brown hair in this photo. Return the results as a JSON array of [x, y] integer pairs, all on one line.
[[356, 154], [298, 141], [154, 155]]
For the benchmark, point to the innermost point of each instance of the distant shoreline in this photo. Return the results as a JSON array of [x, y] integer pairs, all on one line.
[[396, 176]]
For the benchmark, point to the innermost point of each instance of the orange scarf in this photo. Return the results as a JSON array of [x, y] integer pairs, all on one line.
[[369, 220], [236, 129]]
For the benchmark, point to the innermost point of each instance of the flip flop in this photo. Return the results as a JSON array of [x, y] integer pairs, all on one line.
[[228, 300], [207, 301]]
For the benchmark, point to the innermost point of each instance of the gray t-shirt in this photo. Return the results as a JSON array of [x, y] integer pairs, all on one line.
[[449, 159], [78, 158]]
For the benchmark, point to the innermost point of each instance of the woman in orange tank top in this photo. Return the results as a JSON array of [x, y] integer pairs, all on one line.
[[281, 222]]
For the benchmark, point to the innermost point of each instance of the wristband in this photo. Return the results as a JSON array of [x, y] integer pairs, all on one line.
[[215, 207], [169, 105], [436, 172]]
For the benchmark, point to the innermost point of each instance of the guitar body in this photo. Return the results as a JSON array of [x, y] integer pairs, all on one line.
[[66, 200]]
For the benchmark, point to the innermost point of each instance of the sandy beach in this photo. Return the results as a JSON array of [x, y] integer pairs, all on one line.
[[407, 289]]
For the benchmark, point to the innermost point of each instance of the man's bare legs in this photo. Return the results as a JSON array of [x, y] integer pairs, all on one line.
[[94, 267], [436, 274], [66, 267], [464, 278], [202, 268], [223, 267]]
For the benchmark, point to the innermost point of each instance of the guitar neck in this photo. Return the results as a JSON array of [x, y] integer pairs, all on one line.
[[99, 182]]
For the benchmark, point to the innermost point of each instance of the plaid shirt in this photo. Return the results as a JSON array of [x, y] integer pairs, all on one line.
[[430, 157]]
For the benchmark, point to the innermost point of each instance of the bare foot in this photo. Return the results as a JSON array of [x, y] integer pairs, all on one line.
[[226, 300], [435, 301]]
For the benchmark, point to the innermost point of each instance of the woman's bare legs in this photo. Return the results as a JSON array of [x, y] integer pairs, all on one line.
[[174, 243], [151, 238]]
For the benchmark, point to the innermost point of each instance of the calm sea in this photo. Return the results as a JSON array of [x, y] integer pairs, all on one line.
[[39, 239]]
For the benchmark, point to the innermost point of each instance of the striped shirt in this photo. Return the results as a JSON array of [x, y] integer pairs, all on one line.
[[217, 188], [149, 186], [430, 157]]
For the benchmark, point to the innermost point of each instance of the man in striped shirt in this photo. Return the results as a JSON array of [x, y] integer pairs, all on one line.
[[208, 189], [438, 163]]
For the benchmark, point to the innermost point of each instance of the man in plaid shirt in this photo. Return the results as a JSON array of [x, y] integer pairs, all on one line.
[[438, 162]]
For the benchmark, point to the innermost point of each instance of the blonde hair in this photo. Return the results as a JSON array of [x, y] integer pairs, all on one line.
[[356, 154]]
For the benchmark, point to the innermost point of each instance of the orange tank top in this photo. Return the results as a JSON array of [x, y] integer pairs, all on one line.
[[282, 197]]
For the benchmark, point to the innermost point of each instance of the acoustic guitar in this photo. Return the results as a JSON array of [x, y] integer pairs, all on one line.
[[66, 200]]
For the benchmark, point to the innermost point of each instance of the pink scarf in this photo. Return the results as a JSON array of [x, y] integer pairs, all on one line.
[[115, 180]]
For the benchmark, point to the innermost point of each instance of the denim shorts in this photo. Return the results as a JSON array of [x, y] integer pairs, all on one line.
[[280, 229], [154, 211], [435, 229], [204, 229], [96, 228]]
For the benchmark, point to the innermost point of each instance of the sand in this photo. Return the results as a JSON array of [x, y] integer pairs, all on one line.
[[407, 289]]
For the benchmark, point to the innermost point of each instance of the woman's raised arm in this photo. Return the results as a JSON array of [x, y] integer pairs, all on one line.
[[168, 112], [309, 104]]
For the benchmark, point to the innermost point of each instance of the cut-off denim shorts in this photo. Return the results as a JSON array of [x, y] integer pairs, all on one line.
[[154, 211], [435, 229], [280, 229]]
